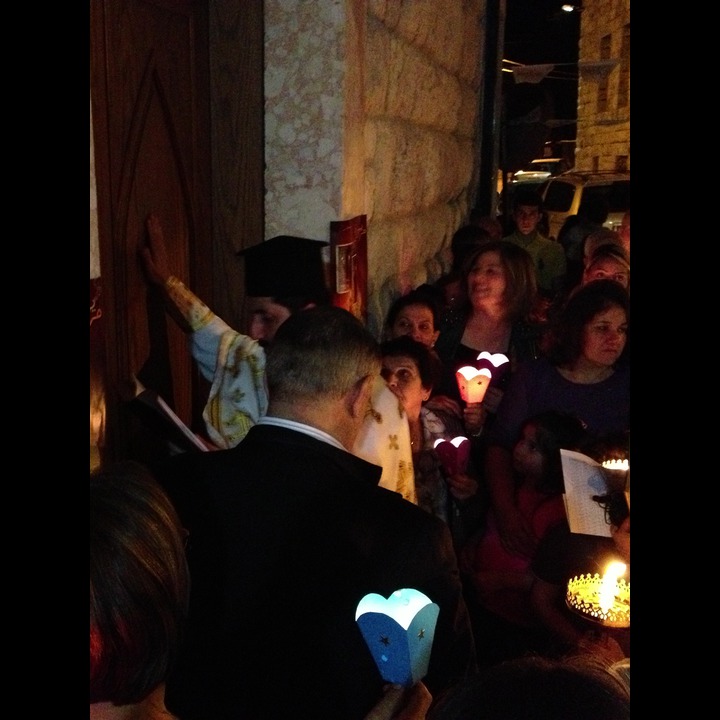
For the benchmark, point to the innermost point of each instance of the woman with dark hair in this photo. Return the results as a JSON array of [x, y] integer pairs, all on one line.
[[139, 592], [417, 314], [582, 374], [411, 371], [451, 287], [501, 294]]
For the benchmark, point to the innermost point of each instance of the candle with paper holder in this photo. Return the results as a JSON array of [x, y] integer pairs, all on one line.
[[497, 363], [473, 383], [454, 454], [399, 632]]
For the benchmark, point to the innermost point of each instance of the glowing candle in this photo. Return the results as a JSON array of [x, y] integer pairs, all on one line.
[[399, 632], [609, 585], [494, 360], [454, 454], [618, 474], [616, 464], [497, 363], [473, 383]]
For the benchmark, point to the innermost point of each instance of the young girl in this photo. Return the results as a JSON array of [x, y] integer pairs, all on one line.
[[498, 582]]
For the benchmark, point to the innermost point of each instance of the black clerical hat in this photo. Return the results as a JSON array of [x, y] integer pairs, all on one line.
[[285, 266]]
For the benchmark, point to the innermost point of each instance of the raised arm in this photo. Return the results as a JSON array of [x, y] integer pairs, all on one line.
[[154, 254], [234, 363], [188, 310]]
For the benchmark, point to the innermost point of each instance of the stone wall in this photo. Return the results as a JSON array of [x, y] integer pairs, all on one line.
[[373, 108], [602, 135], [423, 63]]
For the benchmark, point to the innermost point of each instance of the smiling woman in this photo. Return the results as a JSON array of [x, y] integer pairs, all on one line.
[[501, 291]]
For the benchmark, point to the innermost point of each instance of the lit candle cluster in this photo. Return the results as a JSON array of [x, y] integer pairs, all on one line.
[[605, 599], [618, 474], [616, 464]]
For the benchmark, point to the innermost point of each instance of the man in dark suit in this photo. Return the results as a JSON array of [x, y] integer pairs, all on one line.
[[288, 531]]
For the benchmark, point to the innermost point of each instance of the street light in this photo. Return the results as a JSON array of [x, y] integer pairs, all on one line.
[[571, 8]]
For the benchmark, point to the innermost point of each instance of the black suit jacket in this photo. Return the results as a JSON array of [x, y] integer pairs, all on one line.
[[287, 534]]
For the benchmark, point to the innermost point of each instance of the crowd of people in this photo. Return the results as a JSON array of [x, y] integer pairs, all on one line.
[[224, 583]]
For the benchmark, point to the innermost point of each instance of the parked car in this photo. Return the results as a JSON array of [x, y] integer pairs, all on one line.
[[562, 194], [540, 170]]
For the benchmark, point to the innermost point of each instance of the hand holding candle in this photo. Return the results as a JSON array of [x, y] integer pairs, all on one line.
[[473, 383], [454, 454]]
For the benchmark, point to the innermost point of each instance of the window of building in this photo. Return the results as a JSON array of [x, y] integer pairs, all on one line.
[[621, 163], [624, 82], [602, 88]]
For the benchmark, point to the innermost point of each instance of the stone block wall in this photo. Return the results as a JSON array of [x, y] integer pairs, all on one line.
[[602, 135], [424, 75], [372, 107]]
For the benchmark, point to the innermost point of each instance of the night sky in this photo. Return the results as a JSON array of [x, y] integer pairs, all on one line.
[[539, 32]]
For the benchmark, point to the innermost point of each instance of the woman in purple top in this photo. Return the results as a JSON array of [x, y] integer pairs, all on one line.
[[582, 374]]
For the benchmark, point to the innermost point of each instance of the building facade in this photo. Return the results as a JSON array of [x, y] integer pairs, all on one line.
[[603, 114]]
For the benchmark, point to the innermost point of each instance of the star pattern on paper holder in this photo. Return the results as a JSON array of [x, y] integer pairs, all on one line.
[[393, 442], [385, 640], [421, 634]]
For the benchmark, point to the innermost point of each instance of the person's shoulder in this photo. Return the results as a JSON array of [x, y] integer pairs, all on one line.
[[192, 467], [548, 244], [441, 411], [405, 517]]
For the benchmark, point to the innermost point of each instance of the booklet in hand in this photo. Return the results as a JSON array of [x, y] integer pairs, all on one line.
[[583, 478]]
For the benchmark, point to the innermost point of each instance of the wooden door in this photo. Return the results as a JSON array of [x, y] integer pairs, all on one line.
[[151, 123]]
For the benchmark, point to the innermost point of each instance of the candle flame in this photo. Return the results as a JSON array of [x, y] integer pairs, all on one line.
[[616, 464], [609, 585]]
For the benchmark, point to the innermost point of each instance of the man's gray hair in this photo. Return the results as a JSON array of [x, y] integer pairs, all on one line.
[[322, 351]]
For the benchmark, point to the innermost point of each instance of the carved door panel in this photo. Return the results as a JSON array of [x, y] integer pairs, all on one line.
[[150, 109]]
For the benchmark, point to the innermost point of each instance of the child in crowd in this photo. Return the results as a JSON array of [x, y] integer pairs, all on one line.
[[498, 582]]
